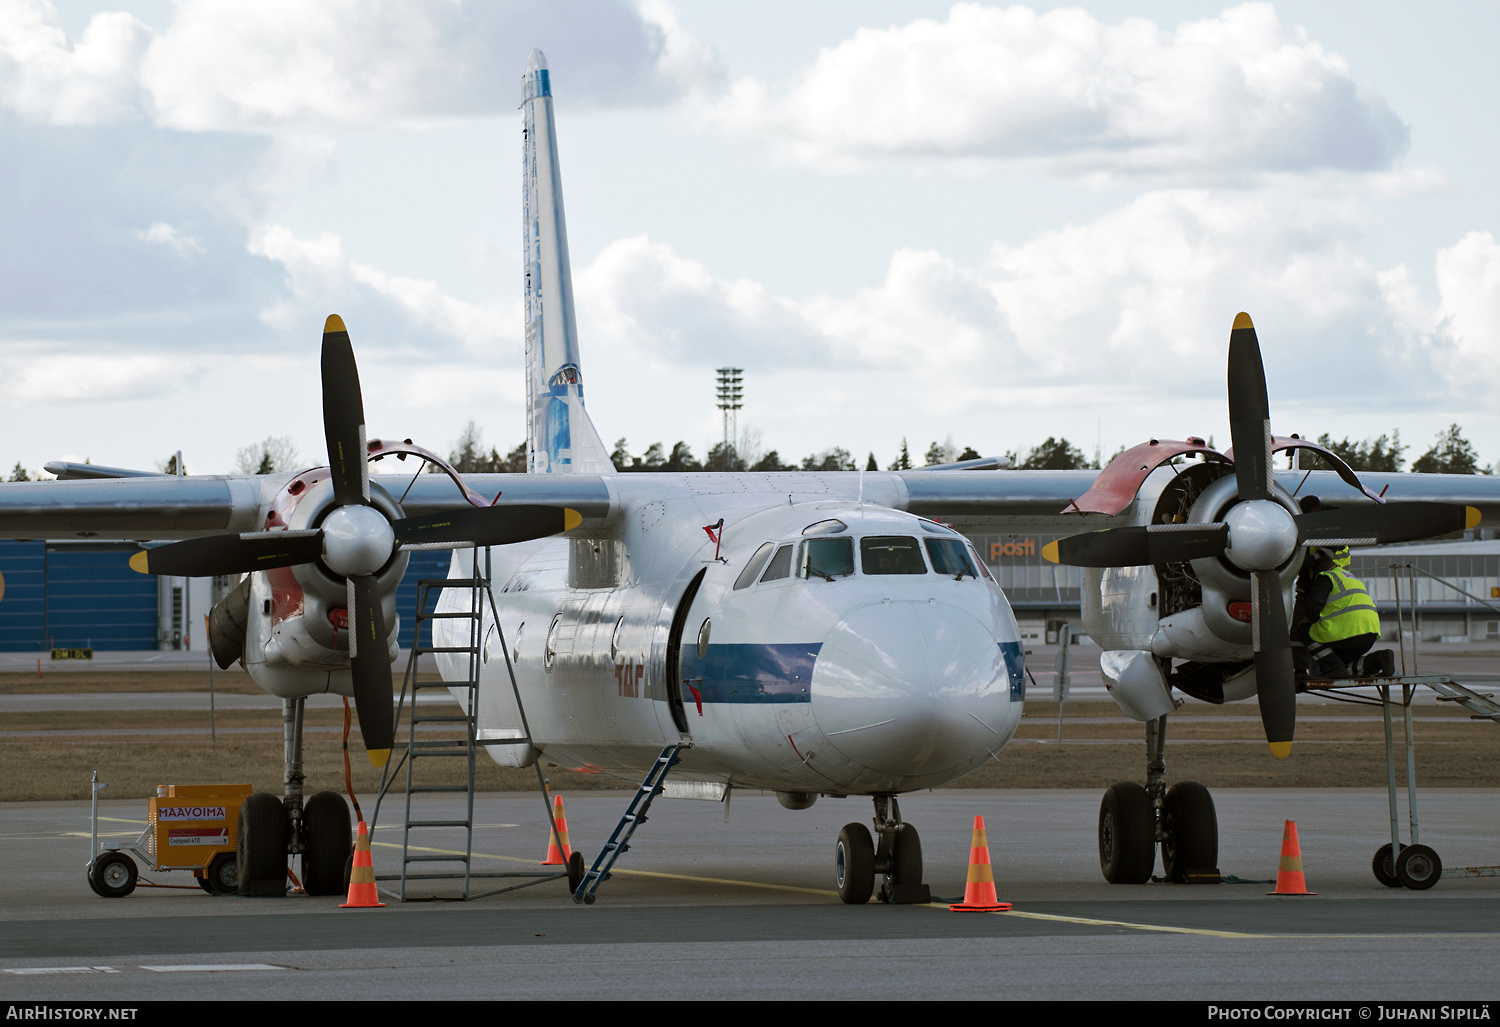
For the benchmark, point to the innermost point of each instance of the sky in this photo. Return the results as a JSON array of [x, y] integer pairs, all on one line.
[[905, 220]]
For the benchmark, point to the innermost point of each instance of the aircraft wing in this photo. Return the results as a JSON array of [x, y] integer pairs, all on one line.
[[168, 507]]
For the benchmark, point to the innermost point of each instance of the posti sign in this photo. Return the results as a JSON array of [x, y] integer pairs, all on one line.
[[1016, 547]]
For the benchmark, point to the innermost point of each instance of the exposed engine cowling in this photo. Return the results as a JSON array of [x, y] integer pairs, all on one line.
[[226, 625]]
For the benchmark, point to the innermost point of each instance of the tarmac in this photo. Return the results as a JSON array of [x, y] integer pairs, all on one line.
[[704, 908]]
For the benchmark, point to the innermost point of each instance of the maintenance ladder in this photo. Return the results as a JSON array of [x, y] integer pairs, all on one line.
[[429, 736]]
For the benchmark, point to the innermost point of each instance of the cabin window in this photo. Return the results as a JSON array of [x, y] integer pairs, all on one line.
[[832, 526], [950, 556], [703, 637], [614, 640], [826, 558], [753, 568], [891, 554], [549, 651], [780, 566]]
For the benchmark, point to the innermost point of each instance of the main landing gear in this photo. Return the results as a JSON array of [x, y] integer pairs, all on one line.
[[898, 858], [273, 828], [1133, 819]]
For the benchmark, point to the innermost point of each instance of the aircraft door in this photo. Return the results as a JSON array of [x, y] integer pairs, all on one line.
[[674, 652]]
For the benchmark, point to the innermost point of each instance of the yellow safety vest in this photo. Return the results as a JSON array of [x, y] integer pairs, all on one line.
[[1349, 611]]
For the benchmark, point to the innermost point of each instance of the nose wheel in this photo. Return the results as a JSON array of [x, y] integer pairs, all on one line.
[[897, 859]]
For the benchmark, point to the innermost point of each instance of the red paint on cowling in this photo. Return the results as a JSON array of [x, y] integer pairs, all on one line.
[[286, 594], [1116, 486]]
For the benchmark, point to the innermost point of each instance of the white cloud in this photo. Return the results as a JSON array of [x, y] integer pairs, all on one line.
[[52, 373], [175, 240], [382, 310], [1231, 94], [1129, 307], [259, 65], [44, 77]]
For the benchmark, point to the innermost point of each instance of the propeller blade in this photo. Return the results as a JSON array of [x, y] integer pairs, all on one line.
[[1137, 546], [370, 666], [1275, 684], [1249, 412], [1378, 525], [486, 526], [231, 554], [344, 416]]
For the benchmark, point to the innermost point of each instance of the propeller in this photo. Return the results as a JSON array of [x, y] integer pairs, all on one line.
[[356, 540], [1258, 535]]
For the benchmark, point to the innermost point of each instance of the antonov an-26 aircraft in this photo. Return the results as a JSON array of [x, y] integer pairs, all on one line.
[[835, 635]]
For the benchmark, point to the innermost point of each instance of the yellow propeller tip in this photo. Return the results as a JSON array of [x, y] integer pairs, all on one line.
[[1049, 552], [1471, 517], [138, 562], [334, 324], [571, 518], [378, 757], [1242, 320], [1281, 750]]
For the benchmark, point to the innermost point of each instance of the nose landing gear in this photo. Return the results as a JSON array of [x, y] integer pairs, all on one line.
[[898, 858], [1133, 820]]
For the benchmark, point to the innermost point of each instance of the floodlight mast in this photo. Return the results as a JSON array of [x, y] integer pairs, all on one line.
[[730, 393]]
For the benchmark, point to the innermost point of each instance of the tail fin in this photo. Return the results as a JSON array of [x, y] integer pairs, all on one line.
[[560, 438]]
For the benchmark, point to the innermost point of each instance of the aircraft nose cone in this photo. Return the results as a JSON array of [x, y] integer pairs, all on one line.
[[911, 688]]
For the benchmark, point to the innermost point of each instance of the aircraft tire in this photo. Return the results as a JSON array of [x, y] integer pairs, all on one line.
[[1384, 869], [1127, 835], [261, 846], [906, 857], [1418, 867], [1191, 829], [325, 818], [854, 864], [223, 875], [114, 875], [576, 871]]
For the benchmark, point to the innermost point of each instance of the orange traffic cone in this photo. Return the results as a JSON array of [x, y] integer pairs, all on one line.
[[558, 856], [979, 893], [362, 893], [1289, 879]]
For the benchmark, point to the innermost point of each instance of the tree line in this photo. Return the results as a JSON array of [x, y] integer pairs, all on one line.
[[1450, 453]]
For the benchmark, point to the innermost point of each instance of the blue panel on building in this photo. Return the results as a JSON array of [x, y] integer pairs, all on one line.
[[94, 599], [23, 607], [425, 565]]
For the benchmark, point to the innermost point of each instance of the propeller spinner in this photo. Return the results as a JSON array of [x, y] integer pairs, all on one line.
[[1258, 535], [355, 540]]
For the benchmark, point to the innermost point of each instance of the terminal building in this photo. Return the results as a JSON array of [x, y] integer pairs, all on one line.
[[74, 595]]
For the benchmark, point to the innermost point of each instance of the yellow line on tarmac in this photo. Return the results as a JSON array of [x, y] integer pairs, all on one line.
[[635, 873], [1132, 926]]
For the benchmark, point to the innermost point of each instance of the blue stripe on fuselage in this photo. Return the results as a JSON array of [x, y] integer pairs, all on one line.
[[751, 672], [1015, 665]]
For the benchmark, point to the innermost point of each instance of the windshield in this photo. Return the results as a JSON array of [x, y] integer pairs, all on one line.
[[891, 554], [950, 556], [826, 558]]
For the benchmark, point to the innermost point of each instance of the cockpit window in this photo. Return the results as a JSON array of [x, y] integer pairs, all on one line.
[[832, 526], [950, 556], [753, 568], [826, 558], [891, 554], [935, 527], [781, 564]]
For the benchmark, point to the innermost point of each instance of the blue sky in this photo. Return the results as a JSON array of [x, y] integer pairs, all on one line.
[[902, 219]]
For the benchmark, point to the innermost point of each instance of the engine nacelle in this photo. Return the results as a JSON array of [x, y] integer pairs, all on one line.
[[306, 606]]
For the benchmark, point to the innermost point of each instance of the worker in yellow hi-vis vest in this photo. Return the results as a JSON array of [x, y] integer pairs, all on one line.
[[1342, 623]]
